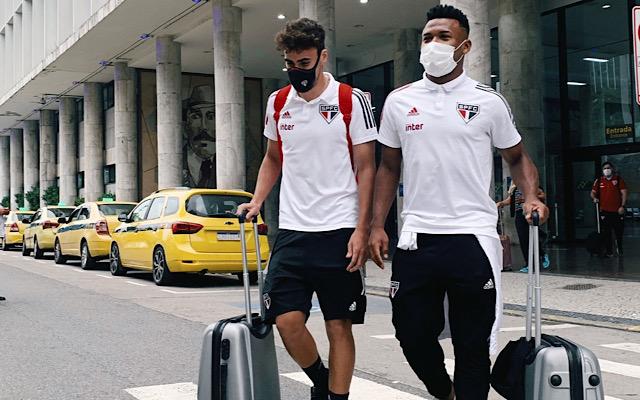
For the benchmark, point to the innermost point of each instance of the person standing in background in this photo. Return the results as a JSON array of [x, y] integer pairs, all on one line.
[[522, 226], [610, 193]]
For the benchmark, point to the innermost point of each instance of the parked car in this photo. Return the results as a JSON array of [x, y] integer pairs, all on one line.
[[86, 233], [14, 228], [185, 230], [41, 232]]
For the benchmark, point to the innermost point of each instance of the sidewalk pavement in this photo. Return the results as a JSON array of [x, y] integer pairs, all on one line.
[[586, 301]]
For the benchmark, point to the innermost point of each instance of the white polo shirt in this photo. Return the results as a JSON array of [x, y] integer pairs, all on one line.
[[319, 190], [447, 134]]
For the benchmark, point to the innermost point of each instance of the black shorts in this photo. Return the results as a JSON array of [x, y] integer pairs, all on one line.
[[306, 262]]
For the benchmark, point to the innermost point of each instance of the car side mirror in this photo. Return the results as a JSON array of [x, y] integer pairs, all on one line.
[[26, 221], [62, 220], [123, 217]]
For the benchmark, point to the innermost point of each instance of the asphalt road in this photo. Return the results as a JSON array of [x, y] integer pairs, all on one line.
[[73, 334]]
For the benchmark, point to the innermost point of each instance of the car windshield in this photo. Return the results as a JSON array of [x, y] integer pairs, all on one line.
[[214, 205], [59, 212], [115, 209], [22, 216]]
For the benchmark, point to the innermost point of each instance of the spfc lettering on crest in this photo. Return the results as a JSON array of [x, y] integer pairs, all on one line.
[[468, 112], [393, 288], [329, 112]]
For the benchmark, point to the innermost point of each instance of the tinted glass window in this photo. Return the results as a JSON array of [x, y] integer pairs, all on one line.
[[74, 215], [22, 216], [84, 214], [59, 212], [214, 205], [172, 206], [140, 212], [155, 211], [115, 209]]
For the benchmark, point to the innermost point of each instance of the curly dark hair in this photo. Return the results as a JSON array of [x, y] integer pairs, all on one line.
[[448, 12], [301, 34]]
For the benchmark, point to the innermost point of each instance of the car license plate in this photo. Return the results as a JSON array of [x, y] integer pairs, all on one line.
[[228, 236]]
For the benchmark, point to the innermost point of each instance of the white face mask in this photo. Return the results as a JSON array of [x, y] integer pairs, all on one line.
[[607, 172], [437, 58]]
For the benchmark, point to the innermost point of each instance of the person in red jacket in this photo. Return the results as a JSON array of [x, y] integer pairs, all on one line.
[[610, 191]]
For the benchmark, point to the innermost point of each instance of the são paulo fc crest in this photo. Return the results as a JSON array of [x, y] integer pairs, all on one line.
[[468, 112], [393, 288], [329, 112]]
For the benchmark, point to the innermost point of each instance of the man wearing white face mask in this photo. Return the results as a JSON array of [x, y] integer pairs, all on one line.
[[610, 191], [444, 127]]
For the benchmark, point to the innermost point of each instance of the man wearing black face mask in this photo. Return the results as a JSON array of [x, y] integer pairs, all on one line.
[[321, 137]]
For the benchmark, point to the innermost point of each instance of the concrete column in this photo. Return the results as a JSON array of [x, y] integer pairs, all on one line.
[[477, 63], [67, 151], [126, 133], [31, 162], [93, 141], [48, 172], [406, 57], [229, 96], [5, 167], [324, 12], [521, 72], [17, 174], [169, 84]]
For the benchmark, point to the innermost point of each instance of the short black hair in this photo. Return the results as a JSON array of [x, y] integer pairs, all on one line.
[[301, 34], [607, 163], [449, 12]]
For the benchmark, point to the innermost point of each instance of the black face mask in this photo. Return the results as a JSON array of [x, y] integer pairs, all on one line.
[[303, 80]]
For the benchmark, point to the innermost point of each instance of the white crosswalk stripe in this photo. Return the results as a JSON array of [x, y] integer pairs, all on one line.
[[363, 389], [635, 347], [612, 367], [176, 391]]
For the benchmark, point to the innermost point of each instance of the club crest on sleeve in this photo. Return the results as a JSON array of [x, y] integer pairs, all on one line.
[[468, 112], [329, 112]]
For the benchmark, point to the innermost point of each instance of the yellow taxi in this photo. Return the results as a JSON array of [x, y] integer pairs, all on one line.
[[39, 236], [86, 233], [14, 227], [186, 230]]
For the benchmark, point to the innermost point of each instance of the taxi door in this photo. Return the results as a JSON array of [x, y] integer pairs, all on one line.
[[127, 235], [147, 235]]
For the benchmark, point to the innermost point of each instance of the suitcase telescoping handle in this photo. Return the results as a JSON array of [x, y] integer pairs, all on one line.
[[533, 277], [242, 219]]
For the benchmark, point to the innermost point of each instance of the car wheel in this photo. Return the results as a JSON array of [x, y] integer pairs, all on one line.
[[161, 273], [86, 261], [25, 249], [58, 257], [253, 277], [37, 251], [115, 263]]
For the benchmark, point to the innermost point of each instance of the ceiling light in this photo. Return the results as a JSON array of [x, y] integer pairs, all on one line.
[[284, 69], [281, 16], [596, 60], [494, 75], [570, 83], [364, 1], [606, 6]]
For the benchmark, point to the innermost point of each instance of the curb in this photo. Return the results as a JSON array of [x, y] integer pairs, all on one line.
[[517, 310]]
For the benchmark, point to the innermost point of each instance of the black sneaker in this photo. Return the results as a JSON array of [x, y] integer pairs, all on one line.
[[2, 298], [318, 395]]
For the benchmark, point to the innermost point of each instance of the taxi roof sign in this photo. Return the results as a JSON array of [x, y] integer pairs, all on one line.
[[61, 203], [23, 209], [108, 199]]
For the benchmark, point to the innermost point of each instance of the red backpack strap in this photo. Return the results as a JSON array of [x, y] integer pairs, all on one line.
[[345, 103], [278, 105]]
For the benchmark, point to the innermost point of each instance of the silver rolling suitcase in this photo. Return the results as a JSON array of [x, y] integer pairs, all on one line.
[[238, 360], [561, 369]]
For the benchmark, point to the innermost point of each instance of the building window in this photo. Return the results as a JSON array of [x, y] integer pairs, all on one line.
[[109, 174], [80, 108], [107, 96], [80, 180]]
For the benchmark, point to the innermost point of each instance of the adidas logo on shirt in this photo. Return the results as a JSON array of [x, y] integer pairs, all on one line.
[[413, 112], [489, 285], [287, 114]]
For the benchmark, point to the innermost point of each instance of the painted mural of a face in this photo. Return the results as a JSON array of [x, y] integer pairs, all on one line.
[[200, 135]]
